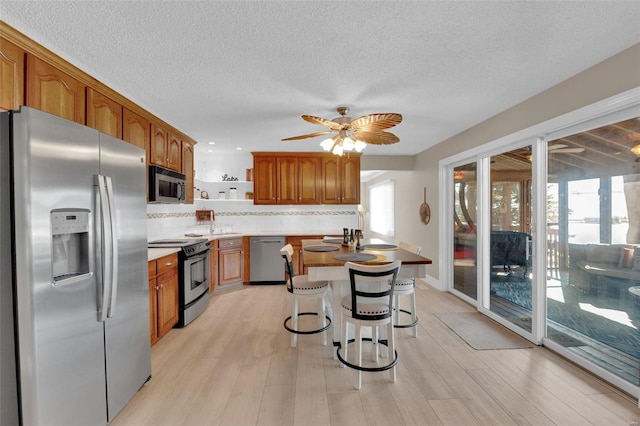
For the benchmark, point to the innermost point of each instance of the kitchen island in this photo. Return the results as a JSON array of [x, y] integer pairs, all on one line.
[[323, 266]]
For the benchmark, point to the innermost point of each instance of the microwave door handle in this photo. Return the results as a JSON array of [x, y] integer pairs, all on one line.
[[113, 231], [180, 191], [102, 220]]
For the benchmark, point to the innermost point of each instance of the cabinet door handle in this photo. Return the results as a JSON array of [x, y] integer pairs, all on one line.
[[157, 288], [168, 264]]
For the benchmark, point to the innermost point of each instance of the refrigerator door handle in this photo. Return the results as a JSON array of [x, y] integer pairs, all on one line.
[[103, 220], [113, 228]]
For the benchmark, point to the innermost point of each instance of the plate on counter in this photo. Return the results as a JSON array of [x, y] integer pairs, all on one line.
[[321, 248], [332, 240], [355, 257], [380, 247]]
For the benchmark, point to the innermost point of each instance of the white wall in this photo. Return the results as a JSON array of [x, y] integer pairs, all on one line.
[[174, 220], [211, 166]]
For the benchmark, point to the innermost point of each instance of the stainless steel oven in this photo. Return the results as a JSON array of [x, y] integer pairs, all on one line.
[[193, 271], [195, 283]]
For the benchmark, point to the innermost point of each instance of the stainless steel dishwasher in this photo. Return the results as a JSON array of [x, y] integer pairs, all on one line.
[[267, 266]]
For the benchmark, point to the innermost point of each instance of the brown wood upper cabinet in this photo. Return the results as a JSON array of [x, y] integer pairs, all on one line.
[[104, 113], [174, 153], [264, 179], [32, 75], [187, 169], [297, 178], [166, 148], [135, 129], [341, 180], [51, 90], [11, 75]]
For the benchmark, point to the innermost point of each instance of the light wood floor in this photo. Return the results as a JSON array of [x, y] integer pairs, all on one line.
[[234, 366]]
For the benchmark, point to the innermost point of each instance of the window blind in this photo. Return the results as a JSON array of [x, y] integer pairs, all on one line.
[[381, 200]]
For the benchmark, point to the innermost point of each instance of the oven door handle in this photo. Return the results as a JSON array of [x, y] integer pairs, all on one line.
[[197, 257]]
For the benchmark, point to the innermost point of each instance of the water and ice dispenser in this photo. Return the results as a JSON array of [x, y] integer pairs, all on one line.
[[70, 246]]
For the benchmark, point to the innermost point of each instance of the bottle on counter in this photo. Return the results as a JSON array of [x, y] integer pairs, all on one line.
[[358, 237]]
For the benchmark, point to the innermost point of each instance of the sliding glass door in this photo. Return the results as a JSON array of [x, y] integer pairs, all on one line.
[[593, 302], [510, 237], [465, 213], [573, 283]]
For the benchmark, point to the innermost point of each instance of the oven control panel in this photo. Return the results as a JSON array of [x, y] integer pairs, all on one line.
[[196, 248]]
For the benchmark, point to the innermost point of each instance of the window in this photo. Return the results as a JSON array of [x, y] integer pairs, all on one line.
[[381, 201]]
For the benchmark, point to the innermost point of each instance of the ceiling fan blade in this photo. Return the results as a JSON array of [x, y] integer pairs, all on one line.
[[310, 135], [376, 138], [373, 122], [556, 146], [322, 122], [567, 151]]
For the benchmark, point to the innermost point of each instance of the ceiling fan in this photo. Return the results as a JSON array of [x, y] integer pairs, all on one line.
[[353, 134], [562, 148]]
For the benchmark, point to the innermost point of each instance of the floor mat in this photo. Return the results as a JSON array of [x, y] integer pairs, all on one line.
[[482, 333]]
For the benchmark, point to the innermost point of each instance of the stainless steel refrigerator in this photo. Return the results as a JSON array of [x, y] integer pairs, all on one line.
[[74, 301]]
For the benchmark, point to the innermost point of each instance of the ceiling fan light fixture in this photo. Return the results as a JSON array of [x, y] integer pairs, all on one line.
[[327, 144], [636, 150], [337, 149], [359, 146], [348, 144]]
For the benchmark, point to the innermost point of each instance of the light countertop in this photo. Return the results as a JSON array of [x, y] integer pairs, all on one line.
[[156, 253]]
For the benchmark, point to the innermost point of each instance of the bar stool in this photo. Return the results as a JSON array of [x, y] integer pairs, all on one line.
[[369, 305], [406, 287], [300, 287]]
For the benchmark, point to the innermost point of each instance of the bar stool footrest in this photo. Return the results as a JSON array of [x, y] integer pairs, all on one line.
[[358, 367], [410, 325], [319, 330]]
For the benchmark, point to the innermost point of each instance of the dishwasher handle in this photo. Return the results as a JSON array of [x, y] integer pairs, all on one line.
[[267, 241]]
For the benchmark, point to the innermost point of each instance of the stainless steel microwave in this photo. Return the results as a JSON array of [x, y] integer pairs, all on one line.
[[166, 186]]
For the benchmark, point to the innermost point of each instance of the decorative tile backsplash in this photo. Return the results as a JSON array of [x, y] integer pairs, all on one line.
[[171, 220]]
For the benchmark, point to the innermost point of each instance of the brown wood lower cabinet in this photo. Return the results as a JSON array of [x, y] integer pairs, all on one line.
[[230, 261], [213, 266], [163, 295], [296, 244]]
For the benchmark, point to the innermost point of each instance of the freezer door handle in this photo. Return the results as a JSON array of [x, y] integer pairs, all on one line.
[[103, 221], [113, 229]]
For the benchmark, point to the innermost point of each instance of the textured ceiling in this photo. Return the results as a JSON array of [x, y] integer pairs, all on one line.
[[241, 73]]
